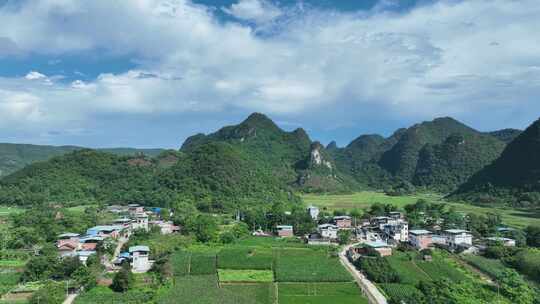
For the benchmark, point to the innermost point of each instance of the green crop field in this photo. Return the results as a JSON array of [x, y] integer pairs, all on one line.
[[203, 263], [491, 267], [363, 200], [242, 275], [204, 289], [320, 293], [8, 281], [441, 269], [103, 294], [241, 257], [397, 290], [308, 265], [408, 271], [180, 262]]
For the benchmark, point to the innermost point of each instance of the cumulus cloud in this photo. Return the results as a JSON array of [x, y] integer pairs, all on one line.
[[437, 59], [254, 10]]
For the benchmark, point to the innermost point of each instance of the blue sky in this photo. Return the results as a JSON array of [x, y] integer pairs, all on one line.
[[149, 73]]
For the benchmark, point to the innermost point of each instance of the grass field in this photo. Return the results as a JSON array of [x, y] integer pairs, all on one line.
[[320, 293], [363, 200], [491, 267], [235, 275]]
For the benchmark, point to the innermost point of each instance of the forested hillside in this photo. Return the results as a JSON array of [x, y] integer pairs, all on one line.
[[438, 155], [513, 178], [256, 162], [15, 156], [218, 176], [291, 156]]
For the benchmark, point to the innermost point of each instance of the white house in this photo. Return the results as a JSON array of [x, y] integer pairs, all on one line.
[[139, 258], [328, 231], [313, 212], [396, 230], [140, 221], [456, 237]]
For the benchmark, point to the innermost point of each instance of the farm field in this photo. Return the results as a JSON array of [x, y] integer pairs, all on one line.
[[412, 270], [491, 267], [363, 200], [233, 275], [320, 293], [308, 265], [256, 272], [7, 210]]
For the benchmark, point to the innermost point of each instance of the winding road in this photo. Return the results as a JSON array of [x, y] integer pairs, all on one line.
[[369, 289]]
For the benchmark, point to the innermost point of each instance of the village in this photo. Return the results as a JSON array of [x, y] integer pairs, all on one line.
[[130, 219]]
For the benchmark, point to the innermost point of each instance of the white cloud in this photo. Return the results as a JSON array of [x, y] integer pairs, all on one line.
[[437, 59], [33, 75], [254, 10]]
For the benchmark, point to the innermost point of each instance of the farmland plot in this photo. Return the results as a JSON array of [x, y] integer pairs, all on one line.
[[180, 261], [202, 263], [245, 258], [307, 265], [320, 293]]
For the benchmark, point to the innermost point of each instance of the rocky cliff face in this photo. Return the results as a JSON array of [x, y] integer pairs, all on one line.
[[317, 158]]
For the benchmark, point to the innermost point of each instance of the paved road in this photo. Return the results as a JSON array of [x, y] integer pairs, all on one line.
[[372, 293]]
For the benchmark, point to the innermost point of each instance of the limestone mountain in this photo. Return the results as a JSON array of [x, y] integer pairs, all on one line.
[[513, 177], [288, 155], [506, 135], [438, 155]]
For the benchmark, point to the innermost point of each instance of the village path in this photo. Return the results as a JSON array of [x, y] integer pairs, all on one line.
[[70, 298], [369, 289], [109, 263]]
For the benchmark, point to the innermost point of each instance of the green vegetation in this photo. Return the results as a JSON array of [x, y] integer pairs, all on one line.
[[405, 276], [102, 294], [234, 275], [241, 257], [309, 265], [320, 293], [492, 267], [14, 157], [512, 178]]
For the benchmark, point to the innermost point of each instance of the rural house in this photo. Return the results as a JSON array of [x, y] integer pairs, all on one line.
[[420, 239], [313, 212], [285, 230], [328, 231], [507, 242], [343, 221], [139, 258], [457, 237]]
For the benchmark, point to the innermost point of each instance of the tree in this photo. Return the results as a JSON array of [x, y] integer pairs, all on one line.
[[85, 277], [533, 236], [204, 227], [123, 279], [51, 293], [344, 236], [515, 288]]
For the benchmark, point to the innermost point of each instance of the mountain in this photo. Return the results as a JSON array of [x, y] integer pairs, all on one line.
[[438, 155], [215, 176], [513, 177], [505, 135], [288, 155], [15, 156]]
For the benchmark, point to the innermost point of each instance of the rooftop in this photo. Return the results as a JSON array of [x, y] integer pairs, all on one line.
[[68, 235], [419, 231], [456, 231], [139, 248], [376, 244], [342, 217], [498, 238], [284, 227]]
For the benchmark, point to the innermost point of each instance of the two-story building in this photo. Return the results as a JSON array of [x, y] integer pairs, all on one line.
[[140, 258], [328, 231], [457, 237], [420, 238]]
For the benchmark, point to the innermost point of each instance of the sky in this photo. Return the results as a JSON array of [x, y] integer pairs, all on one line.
[[150, 73]]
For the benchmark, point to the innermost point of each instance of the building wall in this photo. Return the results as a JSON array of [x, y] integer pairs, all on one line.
[[285, 233], [420, 241]]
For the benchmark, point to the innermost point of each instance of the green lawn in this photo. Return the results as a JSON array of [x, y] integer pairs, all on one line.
[[235, 275], [363, 200]]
